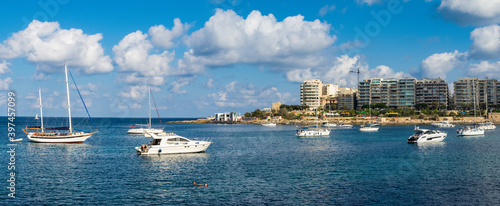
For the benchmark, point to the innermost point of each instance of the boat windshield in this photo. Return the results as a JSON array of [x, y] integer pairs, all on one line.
[[419, 132], [156, 142]]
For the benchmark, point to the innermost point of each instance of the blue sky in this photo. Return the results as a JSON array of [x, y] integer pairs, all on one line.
[[202, 57]]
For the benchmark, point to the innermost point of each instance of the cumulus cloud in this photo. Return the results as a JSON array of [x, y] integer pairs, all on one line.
[[240, 95], [438, 65], [466, 12], [163, 37], [135, 78], [486, 42], [5, 83], [209, 83], [4, 67], [40, 76], [338, 72], [137, 92], [228, 38], [485, 69], [46, 44]]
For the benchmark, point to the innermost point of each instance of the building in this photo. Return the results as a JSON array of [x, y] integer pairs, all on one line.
[[346, 98], [227, 117], [485, 91], [402, 92], [428, 91], [311, 92], [330, 90], [276, 106]]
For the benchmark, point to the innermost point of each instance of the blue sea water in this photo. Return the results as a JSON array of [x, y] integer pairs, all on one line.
[[255, 165]]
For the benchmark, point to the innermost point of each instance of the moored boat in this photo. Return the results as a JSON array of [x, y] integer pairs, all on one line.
[[170, 143], [426, 135]]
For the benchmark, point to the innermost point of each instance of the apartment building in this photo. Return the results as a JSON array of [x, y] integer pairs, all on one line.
[[311, 92], [428, 91], [485, 91]]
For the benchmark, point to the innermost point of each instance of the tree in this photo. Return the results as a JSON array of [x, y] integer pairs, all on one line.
[[435, 105], [247, 114], [258, 113]]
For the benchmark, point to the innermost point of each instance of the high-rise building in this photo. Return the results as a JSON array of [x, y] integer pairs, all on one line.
[[346, 98], [486, 91], [311, 92], [428, 91]]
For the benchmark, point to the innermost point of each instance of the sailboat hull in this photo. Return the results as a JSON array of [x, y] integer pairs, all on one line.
[[74, 138], [144, 131]]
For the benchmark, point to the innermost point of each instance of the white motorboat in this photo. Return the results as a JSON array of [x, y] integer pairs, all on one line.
[[146, 128], [443, 124], [345, 126], [328, 124], [312, 132], [368, 128], [170, 143], [487, 126], [470, 131], [426, 135], [269, 124], [17, 140], [59, 134]]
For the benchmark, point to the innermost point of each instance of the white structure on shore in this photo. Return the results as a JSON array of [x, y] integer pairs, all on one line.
[[227, 117]]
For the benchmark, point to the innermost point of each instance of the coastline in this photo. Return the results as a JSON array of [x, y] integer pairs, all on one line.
[[350, 120]]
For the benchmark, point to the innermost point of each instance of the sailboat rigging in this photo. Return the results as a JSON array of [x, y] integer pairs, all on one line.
[[59, 134], [148, 129]]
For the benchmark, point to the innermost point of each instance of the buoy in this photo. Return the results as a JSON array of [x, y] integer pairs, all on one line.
[[194, 183]]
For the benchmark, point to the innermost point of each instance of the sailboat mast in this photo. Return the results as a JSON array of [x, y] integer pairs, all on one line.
[[69, 103], [41, 113], [474, 90], [149, 107]]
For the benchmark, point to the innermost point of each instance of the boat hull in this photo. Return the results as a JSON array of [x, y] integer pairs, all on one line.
[[472, 132], [424, 139], [77, 138], [174, 149], [368, 129], [313, 133]]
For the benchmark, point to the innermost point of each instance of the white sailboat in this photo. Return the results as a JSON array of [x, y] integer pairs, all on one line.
[[313, 132], [143, 128], [36, 117], [473, 130], [369, 127], [59, 134]]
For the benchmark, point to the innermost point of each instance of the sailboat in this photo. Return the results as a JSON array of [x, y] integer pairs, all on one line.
[[271, 123], [59, 134], [370, 127], [36, 117], [148, 128], [487, 125], [474, 129], [313, 132]]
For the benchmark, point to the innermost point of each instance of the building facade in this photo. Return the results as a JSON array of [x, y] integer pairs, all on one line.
[[402, 92], [311, 92], [428, 91], [483, 91]]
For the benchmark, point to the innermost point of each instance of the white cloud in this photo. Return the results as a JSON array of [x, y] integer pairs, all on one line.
[[162, 37], [135, 78], [210, 83], [3, 99], [137, 92], [327, 8], [467, 12], [241, 95], [486, 42], [339, 72], [438, 65], [369, 2], [4, 67], [40, 76], [485, 69], [228, 38], [133, 54], [179, 83], [5, 83], [46, 44]]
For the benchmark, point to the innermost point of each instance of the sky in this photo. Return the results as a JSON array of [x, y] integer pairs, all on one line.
[[203, 57]]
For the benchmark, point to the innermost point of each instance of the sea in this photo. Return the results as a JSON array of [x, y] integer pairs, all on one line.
[[252, 165]]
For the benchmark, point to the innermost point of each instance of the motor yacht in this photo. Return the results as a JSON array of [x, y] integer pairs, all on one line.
[[443, 124], [487, 126], [328, 124], [312, 132], [426, 135], [170, 143]]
